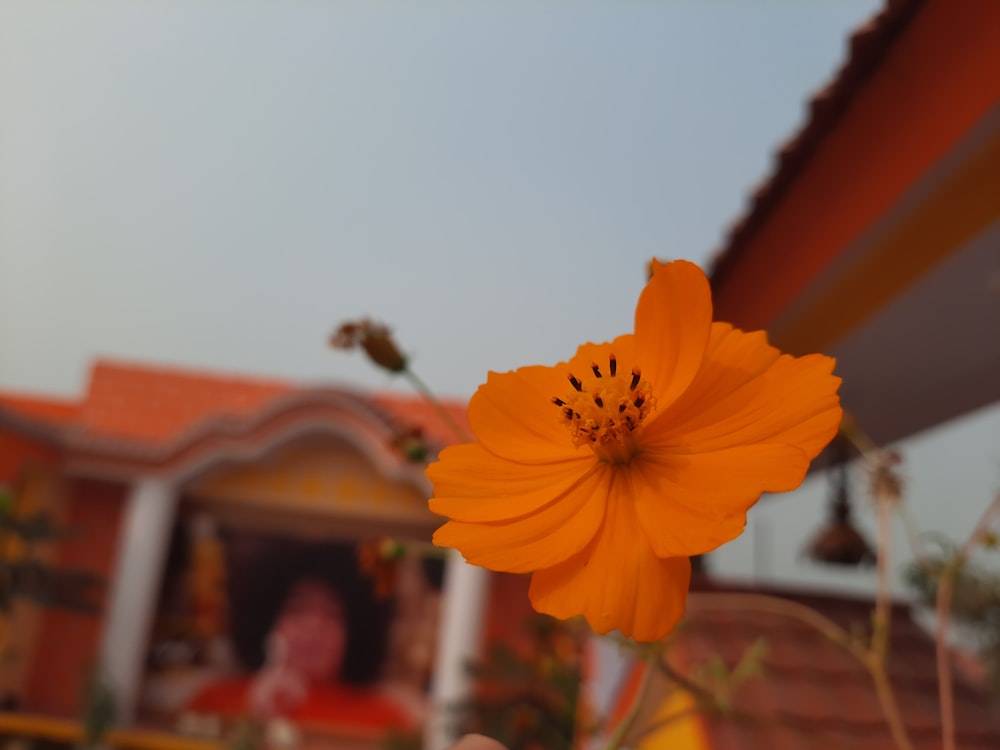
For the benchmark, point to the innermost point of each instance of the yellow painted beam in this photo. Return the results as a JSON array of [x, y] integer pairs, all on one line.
[[63, 730]]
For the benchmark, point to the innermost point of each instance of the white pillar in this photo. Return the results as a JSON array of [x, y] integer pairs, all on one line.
[[459, 638], [142, 551]]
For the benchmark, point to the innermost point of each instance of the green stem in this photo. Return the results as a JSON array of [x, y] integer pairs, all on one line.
[[628, 721], [423, 549], [433, 400]]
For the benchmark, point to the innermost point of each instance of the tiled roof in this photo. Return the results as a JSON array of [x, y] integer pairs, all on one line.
[[155, 405], [47, 409], [813, 694], [868, 46]]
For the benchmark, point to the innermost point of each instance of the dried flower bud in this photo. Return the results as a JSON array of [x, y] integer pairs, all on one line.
[[375, 338], [886, 483]]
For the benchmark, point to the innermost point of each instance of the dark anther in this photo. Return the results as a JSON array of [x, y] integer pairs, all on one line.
[[558, 401], [596, 369], [622, 407], [575, 383], [612, 365], [599, 401], [639, 401], [569, 413], [636, 376]]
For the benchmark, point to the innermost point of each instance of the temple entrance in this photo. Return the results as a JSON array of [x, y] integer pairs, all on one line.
[[276, 604]]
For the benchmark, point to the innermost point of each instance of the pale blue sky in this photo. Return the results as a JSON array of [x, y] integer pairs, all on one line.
[[216, 184]]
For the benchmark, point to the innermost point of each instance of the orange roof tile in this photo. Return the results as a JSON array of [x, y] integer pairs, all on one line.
[[45, 408], [414, 410], [155, 405]]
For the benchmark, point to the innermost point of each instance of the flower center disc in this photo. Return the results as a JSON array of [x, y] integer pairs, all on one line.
[[603, 411]]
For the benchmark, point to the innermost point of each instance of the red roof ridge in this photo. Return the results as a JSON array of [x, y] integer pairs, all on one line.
[[151, 410], [104, 364], [868, 46], [41, 406]]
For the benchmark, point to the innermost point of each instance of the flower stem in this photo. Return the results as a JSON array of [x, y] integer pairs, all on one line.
[[887, 701], [776, 605], [433, 400], [628, 721], [423, 549], [882, 619], [883, 610]]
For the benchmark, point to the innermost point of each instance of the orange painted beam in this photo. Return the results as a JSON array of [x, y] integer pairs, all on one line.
[[962, 207], [937, 80]]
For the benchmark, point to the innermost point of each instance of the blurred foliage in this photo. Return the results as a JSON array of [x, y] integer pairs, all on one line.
[[398, 740], [100, 709], [247, 735], [720, 682], [975, 600], [23, 576], [528, 699]]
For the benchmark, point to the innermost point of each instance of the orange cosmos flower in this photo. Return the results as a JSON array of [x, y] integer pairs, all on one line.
[[601, 475]]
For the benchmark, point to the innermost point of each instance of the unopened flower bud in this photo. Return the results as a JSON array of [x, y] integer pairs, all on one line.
[[375, 338]]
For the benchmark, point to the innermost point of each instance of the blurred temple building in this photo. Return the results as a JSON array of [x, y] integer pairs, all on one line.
[[224, 515], [876, 239]]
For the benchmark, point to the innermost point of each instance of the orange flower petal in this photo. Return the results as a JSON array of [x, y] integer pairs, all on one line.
[[732, 358], [513, 416], [689, 504], [542, 539], [617, 583], [673, 321], [472, 484], [750, 396], [622, 347]]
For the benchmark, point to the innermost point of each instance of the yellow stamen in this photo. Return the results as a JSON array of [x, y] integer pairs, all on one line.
[[604, 412]]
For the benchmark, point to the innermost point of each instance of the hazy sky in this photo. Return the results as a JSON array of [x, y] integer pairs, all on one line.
[[218, 183]]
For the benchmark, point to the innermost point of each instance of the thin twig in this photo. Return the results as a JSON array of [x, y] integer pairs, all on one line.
[[826, 627], [776, 605], [886, 489], [429, 396], [890, 708], [945, 590], [913, 536], [706, 698], [882, 619]]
